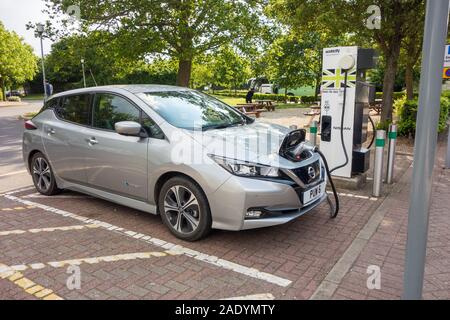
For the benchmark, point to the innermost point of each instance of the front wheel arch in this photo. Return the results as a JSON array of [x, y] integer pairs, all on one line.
[[169, 175]]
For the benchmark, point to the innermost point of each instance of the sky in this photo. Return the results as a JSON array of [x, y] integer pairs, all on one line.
[[15, 14]]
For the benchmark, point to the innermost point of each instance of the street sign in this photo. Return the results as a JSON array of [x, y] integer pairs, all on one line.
[[447, 56], [446, 72]]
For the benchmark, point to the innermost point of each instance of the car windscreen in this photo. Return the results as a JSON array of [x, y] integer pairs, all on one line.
[[192, 110]]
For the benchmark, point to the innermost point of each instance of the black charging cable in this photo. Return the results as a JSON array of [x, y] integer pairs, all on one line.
[[342, 125], [374, 132], [330, 179]]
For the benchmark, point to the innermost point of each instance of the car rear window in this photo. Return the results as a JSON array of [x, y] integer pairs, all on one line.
[[75, 109]]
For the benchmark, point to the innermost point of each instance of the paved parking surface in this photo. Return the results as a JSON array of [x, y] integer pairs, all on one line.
[[127, 254]]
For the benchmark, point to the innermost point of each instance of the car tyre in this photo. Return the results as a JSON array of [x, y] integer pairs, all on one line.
[[184, 209], [43, 177]]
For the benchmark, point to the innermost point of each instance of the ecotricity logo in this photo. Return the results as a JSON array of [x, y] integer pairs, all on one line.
[[333, 51]]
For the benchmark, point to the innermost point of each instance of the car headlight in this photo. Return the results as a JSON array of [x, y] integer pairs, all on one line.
[[246, 169]]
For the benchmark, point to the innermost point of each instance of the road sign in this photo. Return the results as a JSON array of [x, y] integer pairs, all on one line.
[[447, 56], [446, 73]]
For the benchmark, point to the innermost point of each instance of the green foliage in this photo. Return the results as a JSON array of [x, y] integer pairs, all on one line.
[[396, 95], [17, 60], [181, 30], [407, 112], [102, 63], [225, 68]]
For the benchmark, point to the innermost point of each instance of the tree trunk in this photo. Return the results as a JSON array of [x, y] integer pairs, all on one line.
[[390, 72], [2, 88], [184, 73], [409, 80], [318, 85]]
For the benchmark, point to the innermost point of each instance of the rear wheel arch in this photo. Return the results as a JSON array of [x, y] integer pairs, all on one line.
[[30, 157]]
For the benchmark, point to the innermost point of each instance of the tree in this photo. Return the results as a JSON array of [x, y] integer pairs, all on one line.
[[17, 60], [102, 61], [412, 49], [351, 17], [180, 29], [225, 67], [295, 59]]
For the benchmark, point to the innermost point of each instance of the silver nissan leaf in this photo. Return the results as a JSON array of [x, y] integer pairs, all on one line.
[[173, 151]]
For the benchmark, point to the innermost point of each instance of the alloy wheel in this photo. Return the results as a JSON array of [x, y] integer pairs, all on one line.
[[182, 209], [42, 174]]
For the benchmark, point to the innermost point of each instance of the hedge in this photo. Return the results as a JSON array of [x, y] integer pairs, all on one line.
[[274, 97], [407, 112]]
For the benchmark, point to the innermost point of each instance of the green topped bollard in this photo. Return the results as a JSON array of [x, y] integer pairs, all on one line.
[[313, 133], [392, 136], [378, 168]]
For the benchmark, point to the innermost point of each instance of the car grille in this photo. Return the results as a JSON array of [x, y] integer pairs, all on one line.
[[305, 173]]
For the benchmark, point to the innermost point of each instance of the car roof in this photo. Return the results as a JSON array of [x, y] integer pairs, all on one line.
[[133, 88]]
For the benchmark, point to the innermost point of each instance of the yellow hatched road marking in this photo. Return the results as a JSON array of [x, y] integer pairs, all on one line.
[[17, 208]]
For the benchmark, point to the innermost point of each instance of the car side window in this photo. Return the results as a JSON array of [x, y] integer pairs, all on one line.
[[110, 109], [153, 130], [75, 109]]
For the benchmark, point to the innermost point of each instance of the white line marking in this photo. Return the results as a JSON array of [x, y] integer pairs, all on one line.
[[226, 264], [38, 195], [262, 296], [12, 173], [67, 228], [350, 195], [14, 191], [90, 260]]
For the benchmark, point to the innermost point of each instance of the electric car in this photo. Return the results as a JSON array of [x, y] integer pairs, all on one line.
[[173, 151]]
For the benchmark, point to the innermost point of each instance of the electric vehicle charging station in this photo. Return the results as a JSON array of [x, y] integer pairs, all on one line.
[[345, 109]]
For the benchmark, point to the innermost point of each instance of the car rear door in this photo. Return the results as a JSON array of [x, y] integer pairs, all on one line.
[[114, 162], [63, 141]]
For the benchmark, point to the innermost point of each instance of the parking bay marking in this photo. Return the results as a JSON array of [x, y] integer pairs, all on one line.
[[216, 261], [51, 229], [90, 260], [38, 195]]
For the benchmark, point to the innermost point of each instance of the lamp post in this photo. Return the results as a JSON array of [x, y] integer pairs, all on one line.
[[40, 33], [84, 73]]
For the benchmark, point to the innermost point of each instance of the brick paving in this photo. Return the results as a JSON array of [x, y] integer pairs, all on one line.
[[303, 251], [386, 248]]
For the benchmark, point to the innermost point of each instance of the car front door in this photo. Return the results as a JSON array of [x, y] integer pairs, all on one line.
[[63, 137], [116, 163]]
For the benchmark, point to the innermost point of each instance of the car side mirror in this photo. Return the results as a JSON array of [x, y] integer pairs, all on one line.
[[129, 128]]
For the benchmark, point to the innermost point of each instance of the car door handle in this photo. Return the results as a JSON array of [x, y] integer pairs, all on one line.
[[51, 131], [92, 141]]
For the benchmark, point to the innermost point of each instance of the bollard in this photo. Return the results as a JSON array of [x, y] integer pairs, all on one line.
[[392, 141], [448, 148], [313, 133], [378, 168]]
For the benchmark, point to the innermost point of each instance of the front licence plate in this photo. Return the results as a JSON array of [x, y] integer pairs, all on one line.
[[313, 194]]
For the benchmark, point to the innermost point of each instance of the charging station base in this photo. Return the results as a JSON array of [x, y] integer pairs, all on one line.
[[356, 182]]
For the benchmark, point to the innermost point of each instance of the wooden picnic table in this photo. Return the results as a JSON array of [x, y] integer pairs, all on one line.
[[378, 106], [315, 111], [268, 104], [250, 109]]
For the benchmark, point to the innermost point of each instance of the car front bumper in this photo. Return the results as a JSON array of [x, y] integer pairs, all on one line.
[[280, 202]]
